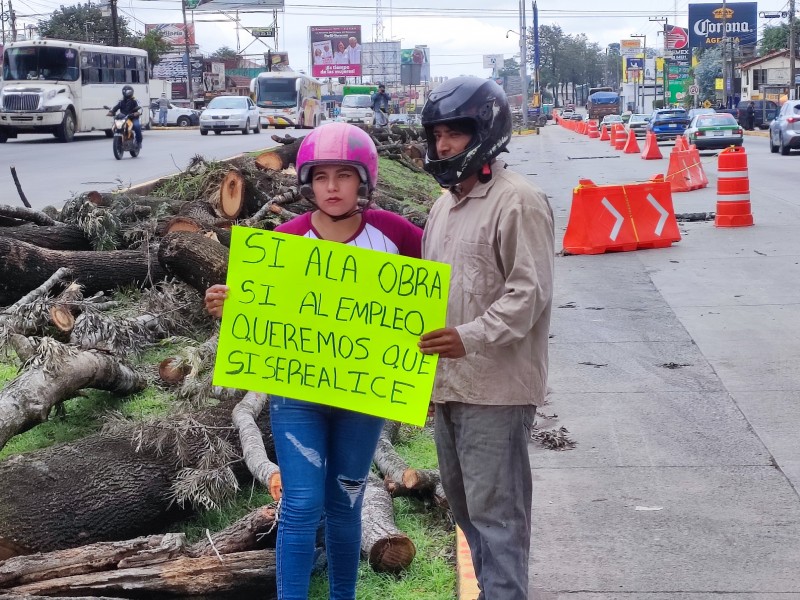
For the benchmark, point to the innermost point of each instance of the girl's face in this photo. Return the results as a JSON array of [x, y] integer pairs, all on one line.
[[335, 188], [340, 47]]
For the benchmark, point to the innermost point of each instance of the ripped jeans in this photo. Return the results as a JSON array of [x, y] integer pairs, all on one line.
[[324, 454]]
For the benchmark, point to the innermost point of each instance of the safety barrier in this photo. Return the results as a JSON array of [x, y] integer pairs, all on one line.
[[593, 132], [622, 138], [685, 172], [620, 218], [651, 150], [631, 145], [604, 136], [733, 189]]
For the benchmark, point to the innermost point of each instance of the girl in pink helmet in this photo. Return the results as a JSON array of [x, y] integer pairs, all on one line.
[[325, 453]]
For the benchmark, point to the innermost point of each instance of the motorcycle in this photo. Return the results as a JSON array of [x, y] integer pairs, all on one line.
[[123, 136]]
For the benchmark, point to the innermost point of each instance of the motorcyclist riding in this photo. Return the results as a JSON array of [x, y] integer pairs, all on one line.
[[129, 106]]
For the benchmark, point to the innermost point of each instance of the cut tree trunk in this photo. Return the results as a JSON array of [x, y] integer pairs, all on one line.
[[26, 214], [228, 201], [254, 531], [99, 488], [241, 574], [25, 266], [387, 548], [27, 400], [91, 558], [54, 237], [255, 454], [66, 307], [279, 157], [191, 257]]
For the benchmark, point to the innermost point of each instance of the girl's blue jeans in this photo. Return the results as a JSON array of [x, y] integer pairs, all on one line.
[[324, 454]]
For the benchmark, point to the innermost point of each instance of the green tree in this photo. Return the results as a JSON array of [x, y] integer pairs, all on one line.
[[223, 53], [84, 23], [775, 37], [551, 42], [707, 71], [156, 46], [510, 67]]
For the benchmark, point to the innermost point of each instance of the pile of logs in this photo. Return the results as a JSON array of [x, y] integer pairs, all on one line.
[[80, 518]]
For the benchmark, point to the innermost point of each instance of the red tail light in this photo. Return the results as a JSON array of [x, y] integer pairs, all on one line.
[[739, 131], [792, 119], [700, 133]]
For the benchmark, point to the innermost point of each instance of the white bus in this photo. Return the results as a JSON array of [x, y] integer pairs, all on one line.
[[59, 87], [288, 99]]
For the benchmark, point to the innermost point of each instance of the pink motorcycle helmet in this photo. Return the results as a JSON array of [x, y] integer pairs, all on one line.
[[341, 144]]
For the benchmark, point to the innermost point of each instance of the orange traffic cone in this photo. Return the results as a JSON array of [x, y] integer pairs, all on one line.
[[619, 143], [631, 145], [733, 189], [604, 137], [651, 150], [680, 143], [612, 137]]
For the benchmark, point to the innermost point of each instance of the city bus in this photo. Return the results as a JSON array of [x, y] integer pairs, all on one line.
[[60, 87], [288, 99]]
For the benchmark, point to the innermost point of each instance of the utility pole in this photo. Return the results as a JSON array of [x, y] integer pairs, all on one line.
[[114, 23], [3, 20], [523, 69], [189, 92], [665, 75], [725, 53], [644, 71], [792, 51], [13, 19]]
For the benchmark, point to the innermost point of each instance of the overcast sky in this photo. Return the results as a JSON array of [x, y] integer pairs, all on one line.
[[458, 32]]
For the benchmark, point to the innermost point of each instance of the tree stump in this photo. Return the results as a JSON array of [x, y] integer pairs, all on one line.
[[279, 157], [191, 257]]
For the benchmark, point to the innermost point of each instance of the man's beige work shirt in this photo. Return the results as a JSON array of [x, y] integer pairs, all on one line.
[[499, 241]]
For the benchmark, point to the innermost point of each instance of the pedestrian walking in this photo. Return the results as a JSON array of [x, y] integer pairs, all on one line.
[[495, 229], [325, 453]]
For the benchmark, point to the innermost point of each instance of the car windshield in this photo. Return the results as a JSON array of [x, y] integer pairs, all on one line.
[[639, 119], [716, 120], [43, 63], [229, 102], [356, 101], [671, 114]]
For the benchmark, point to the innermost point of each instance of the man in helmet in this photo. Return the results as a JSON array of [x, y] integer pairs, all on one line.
[[130, 106], [495, 229]]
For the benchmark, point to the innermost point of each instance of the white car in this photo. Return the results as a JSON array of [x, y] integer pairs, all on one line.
[[356, 108], [230, 113], [176, 115]]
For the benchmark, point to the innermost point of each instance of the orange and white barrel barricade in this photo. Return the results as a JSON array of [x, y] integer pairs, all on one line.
[[733, 189], [593, 132], [604, 136], [621, 218]]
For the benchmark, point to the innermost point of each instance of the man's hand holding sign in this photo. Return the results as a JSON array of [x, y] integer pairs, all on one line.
[[331, 323]]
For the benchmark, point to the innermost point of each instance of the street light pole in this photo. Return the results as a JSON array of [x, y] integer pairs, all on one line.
[[523, 69], [189, 92], [792, 50]]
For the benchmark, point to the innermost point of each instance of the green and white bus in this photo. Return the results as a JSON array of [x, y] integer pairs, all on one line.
[[60, 87]]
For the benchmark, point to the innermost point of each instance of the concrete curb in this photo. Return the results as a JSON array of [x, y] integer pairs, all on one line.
[[466, 582], [758, 133]]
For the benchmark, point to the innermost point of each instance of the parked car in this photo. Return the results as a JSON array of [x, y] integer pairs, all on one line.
[[230, 113], [784, 130], [714, 131], [609, 120], [176, 115], [567, 113], [668, 123], [576, 116], [638, 124], [766, 110], [693, 112]]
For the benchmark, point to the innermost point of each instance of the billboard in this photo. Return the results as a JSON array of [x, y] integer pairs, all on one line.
[[223, 5], [380, 62], [738, 19], [678, 63], [628, 49], [174, 33], [418, 55], [335, 50]]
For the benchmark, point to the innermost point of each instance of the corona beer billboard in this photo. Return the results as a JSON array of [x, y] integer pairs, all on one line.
[[738, 21]]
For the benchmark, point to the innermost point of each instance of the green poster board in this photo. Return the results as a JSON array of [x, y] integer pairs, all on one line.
[[330, 323]]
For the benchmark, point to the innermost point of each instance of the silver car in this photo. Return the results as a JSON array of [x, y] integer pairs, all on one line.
[[230, 113], [784, 129], [638, 124]]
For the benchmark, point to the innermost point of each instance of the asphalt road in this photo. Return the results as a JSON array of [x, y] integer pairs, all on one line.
[[51, 172], [676, 372]]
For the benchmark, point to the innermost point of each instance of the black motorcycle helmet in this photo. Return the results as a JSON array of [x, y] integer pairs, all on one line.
[[483, 105], [127, 91]]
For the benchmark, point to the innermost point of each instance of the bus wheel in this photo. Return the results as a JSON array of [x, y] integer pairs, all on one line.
[[66, 131]]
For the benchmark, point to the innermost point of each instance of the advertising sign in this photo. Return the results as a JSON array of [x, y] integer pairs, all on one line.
[[174, 33], [675, 38], [418, 55], [224, 5], [336, 51], [492, 61], [629, 49], [330, 323], [738, 20]]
